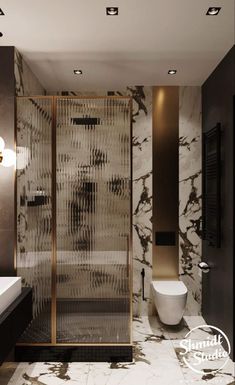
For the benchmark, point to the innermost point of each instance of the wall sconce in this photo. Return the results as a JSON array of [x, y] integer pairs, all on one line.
[[7, 156]]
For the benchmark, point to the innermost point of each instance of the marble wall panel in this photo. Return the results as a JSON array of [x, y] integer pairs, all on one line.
[[190, 195], [26, 83]]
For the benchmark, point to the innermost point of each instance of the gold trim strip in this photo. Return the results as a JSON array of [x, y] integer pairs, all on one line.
[[53, 265], [15, 190], [35, 97], [72, 344], [131, 223], [73, 97]]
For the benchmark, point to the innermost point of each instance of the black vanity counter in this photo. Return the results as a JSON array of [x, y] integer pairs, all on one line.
[[14, 320]]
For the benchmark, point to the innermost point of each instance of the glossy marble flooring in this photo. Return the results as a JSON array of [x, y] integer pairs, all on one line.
[[157, 361]]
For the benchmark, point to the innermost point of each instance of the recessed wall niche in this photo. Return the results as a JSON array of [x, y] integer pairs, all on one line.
[[165, 181]]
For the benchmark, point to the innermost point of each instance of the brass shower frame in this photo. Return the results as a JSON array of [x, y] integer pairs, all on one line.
[[54, 243]]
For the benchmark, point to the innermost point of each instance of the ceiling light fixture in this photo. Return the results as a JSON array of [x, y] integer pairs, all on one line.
[[111, 11], [172, 72], [213, 11], [77, 72], [1, 12], [1, 34]]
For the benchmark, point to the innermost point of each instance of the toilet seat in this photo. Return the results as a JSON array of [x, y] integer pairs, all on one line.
[[170, 288]]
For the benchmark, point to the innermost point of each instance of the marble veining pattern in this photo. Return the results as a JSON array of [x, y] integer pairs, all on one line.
[[190, 214], [26, 83], [142, 195], [157, 361]]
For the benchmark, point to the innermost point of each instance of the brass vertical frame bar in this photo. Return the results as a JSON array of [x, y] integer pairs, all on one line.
[[15, 190], [131, 224], [53, 189]]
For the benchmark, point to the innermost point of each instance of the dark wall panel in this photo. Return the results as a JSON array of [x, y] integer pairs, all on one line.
[[165, 181], [217, 287], [7, 175]]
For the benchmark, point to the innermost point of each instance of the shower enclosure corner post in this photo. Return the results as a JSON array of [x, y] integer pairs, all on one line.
[[54, 242], [131, 221], [15, 188]]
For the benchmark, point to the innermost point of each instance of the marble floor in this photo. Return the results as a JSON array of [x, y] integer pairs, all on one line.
[[157, 361]]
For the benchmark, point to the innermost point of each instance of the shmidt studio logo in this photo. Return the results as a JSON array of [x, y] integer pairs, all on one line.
[[207, 351]]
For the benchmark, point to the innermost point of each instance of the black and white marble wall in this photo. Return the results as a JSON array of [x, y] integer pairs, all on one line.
[[26, 83], [190, 195], [142, 196]]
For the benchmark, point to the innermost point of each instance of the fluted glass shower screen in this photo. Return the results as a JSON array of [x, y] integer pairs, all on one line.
[[74, 218]]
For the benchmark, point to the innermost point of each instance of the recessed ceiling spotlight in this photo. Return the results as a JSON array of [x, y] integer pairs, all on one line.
[[213, 11], [172, 72], [1, 12], [77, 72], [1, 34], [111, 11]]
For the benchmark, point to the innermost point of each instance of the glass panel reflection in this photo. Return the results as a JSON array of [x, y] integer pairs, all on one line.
[[93, 220], [34, 214]]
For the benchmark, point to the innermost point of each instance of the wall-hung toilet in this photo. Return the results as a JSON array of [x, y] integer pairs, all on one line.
[[170, 300]]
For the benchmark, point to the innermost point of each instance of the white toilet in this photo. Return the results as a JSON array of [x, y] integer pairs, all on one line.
[[170, 300]]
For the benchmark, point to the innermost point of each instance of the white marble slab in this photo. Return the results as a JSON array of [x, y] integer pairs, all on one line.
[[190, 194]]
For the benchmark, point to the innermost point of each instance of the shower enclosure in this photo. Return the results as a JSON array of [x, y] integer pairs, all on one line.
[[74, 225]]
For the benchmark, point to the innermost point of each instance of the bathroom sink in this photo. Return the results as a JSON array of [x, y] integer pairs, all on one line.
[[10, 289]]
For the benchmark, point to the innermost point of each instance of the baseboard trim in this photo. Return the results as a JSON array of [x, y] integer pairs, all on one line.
[[74, 353]]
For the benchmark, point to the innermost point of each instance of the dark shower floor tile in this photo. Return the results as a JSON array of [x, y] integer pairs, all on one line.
[[79, 327], [93, 328]]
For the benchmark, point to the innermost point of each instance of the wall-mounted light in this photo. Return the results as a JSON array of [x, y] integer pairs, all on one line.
[[1, 34], [111, 11], [1, 12], [213, 11], [172, 72], [7, 156], [2, 145]]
